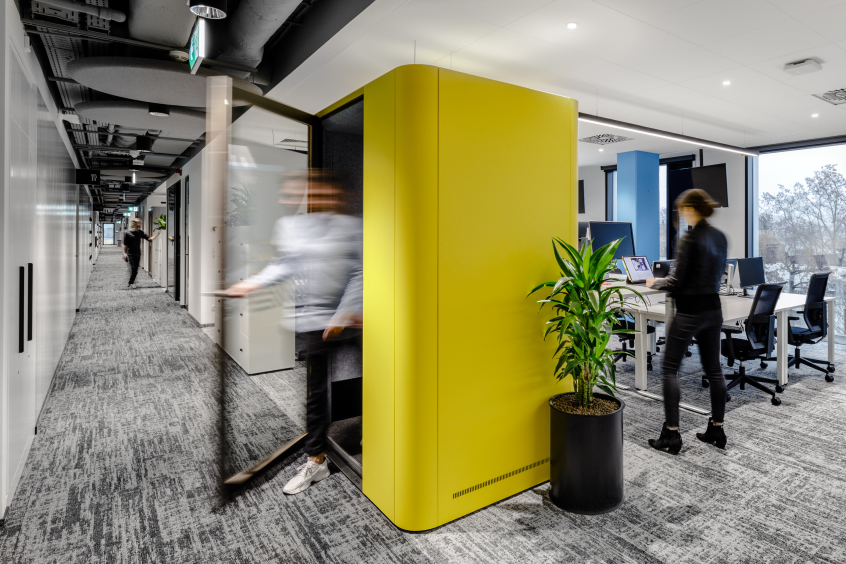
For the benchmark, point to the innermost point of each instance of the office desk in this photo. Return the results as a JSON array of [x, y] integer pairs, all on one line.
[[734, 308]]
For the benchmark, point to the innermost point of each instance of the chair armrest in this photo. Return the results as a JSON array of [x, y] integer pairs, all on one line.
[[731, 330], [792, 318]]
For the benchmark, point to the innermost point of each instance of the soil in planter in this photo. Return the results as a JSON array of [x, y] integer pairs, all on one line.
[[599, 406]]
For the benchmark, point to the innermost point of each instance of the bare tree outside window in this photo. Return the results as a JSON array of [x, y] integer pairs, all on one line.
[[802, 230]]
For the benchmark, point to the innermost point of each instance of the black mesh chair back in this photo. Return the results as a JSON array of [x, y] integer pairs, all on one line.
[[814, 305], [759, 325]]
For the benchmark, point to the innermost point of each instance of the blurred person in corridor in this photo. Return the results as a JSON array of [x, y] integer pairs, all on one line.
[[321, 251], [132, 248]]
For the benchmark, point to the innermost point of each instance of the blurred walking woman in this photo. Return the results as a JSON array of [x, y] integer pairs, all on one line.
[[694, 286]]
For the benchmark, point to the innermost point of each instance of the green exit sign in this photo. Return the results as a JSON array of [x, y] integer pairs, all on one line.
[[197, 47], [132, 208], [125, 214]]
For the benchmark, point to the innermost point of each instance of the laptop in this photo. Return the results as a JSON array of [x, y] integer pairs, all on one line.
[[637, 269]]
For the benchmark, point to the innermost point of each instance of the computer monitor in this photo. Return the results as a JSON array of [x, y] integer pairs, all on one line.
[[662, 268], [730, 262], [604, 232], [712, 179], [751, 271]]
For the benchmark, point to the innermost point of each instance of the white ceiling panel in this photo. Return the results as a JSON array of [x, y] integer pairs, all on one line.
[[831, 77], [678, 66], [780, 38], [633, 112], [644, 10], [602, 32], [674, 97], [712, 20], [801, 7], [627, 81], [801, 110], [747, 86], [509, 49], [590, 154], [830, 22], [744, 120], [497, 12], [432, 25]]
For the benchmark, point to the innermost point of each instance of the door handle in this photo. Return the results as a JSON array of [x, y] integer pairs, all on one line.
[[21, 311], [30, 284]]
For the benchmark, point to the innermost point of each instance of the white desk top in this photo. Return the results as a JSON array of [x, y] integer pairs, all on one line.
[[734, 307]]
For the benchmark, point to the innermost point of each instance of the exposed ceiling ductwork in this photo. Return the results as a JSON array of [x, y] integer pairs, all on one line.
[[165, 22], [251, 26]]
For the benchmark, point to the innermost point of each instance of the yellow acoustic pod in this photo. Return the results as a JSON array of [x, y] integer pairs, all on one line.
[[466, 180]]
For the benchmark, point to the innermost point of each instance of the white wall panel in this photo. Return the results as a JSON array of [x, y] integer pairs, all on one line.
[[55, 265]]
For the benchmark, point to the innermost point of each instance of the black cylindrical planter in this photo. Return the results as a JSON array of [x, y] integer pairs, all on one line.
[[586, 460]]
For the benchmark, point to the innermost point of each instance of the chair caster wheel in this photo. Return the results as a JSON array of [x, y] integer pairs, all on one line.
[[776, 401], [829, 378], [728, 398], [688, 353], [705, 383], [657, 349], [763, 365], [649, 367], [779, 389], [831, 368]]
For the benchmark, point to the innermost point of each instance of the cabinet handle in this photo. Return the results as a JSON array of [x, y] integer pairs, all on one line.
[[21, 312], [29, 303]]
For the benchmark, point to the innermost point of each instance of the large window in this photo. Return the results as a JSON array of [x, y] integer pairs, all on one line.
[[802, 219]]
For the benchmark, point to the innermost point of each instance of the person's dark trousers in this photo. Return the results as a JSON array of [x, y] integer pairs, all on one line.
[[134, 261], [705, 327], [317, 404]]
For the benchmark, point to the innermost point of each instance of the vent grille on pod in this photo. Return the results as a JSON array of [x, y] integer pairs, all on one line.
[[835, 97], [499, 478], [604, 139]]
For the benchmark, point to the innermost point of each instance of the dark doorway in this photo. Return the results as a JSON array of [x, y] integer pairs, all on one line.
[[174, 208]]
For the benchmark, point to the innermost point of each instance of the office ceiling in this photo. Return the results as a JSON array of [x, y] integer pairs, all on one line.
[[658, 63], [105, 70]]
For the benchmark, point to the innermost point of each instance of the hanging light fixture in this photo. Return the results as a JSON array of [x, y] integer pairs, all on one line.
[[209, 9], [143, 144], [159, 110]]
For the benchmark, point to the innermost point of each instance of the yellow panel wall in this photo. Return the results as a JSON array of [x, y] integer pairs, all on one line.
[[466, 181]]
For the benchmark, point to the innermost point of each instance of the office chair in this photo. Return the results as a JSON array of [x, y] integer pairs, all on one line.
[[816, 328], [628, 338], [759, 342]]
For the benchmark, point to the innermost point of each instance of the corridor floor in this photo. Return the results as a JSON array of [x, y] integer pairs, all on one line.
[[123, 468]]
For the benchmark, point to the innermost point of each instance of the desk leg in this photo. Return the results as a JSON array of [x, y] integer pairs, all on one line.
[[781, 347], [831, 332], [640, 351]]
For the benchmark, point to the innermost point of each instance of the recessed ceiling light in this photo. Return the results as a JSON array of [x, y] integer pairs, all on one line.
[[211, 9], [601, 150], [815, 115], [159, 110], [726, 82], [572, 25]]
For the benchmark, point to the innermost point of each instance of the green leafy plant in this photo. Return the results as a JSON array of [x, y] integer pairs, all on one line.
[[585, 317], [241, 207], [160, 223]]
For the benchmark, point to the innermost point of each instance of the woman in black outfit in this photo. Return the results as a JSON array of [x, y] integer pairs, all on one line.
[[694, 286]]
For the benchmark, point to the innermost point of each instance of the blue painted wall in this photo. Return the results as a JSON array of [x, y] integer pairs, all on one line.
[[638, 200]]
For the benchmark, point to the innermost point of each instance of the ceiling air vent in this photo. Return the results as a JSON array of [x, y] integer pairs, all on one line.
[[835, 97], [604, 139], [293, 142]]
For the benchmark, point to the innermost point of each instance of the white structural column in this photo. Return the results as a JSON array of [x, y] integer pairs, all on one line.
[[831, 331]]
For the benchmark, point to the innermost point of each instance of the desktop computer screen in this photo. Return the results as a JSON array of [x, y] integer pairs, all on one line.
[[751, 271], [662, 268], [603, 232]]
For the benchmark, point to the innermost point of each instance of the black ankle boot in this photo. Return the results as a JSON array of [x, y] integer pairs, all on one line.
[[713, 435], [670, 440]]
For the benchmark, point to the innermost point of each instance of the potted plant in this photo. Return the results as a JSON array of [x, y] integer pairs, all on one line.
[[586, 428]]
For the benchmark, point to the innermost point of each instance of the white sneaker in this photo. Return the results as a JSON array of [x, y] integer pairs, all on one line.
[[309, 474]]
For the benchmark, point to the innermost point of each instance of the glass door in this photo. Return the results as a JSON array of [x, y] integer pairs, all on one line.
[[173, 216]]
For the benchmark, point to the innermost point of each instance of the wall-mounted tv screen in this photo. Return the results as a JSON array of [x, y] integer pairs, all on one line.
[[711, 178]]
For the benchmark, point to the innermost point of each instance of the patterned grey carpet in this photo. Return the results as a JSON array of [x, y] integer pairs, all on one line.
[[123, 468]]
